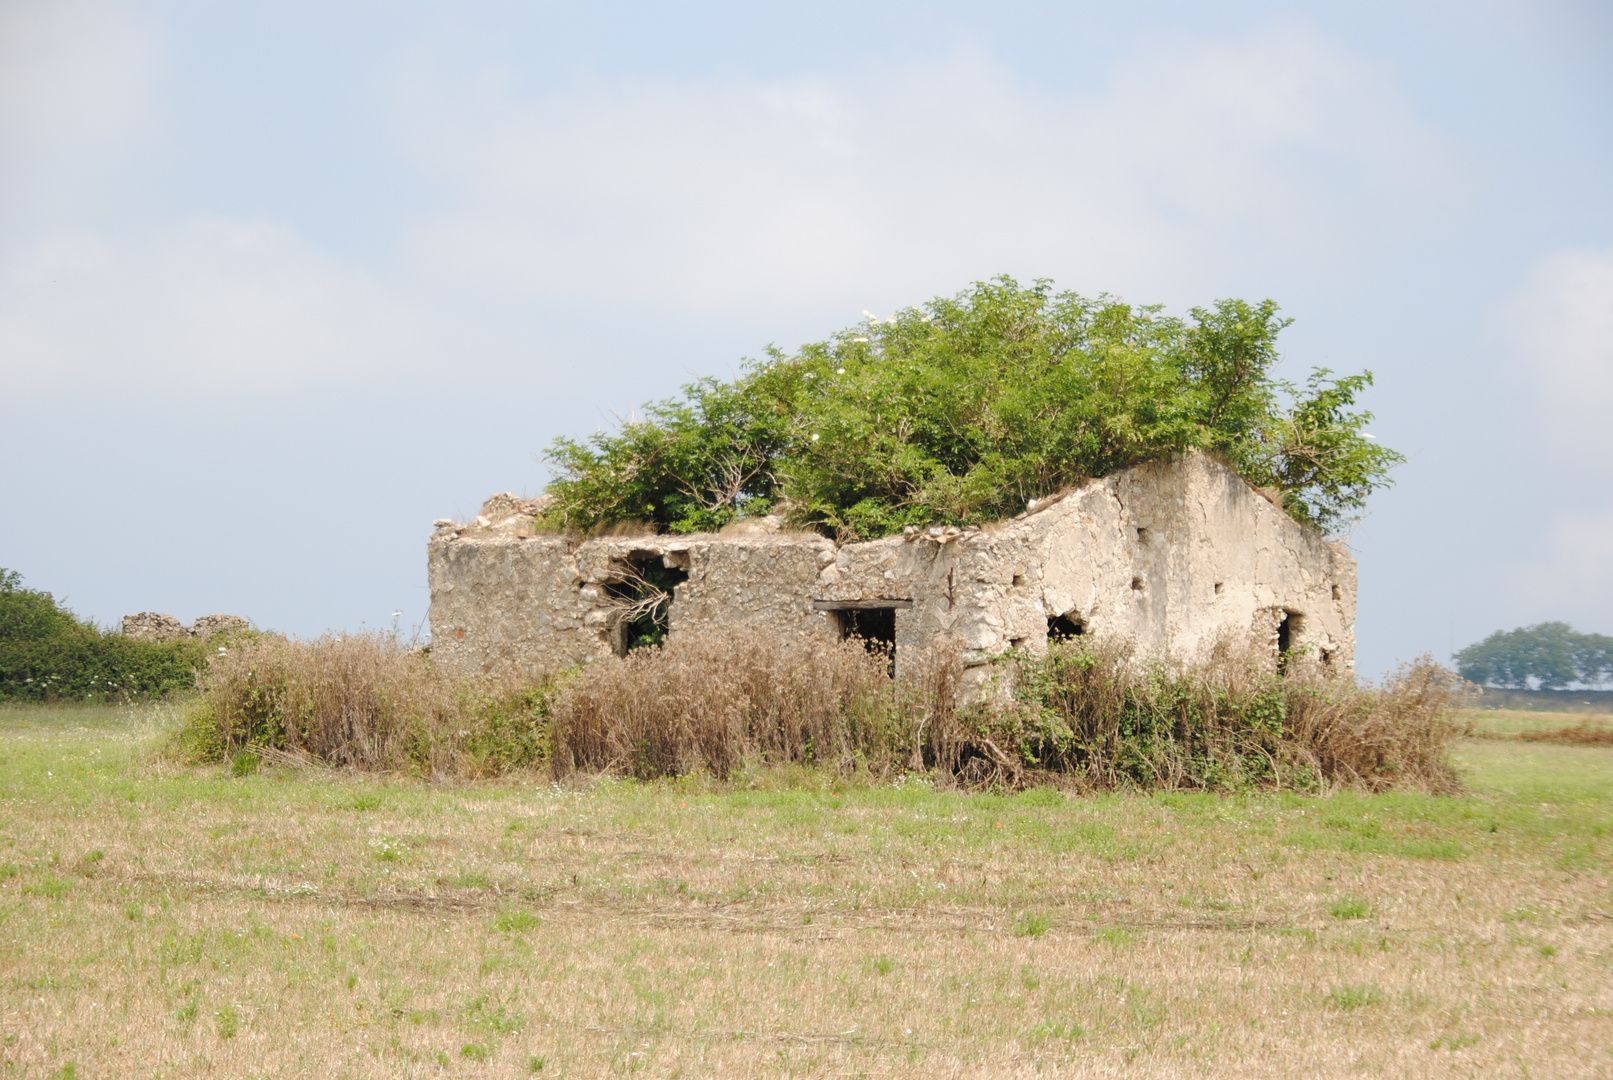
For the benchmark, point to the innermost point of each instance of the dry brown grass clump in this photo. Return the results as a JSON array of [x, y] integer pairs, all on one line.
[[363, 701], [711, 701], [1581, 734], [1394, 735]]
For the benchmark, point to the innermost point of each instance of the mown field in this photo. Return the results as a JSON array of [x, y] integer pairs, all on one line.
[[160, 920]]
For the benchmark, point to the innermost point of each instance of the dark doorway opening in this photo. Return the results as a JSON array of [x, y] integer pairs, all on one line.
[[1065, 627], [642, 591]]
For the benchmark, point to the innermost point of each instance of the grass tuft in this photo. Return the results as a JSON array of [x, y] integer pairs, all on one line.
[[1350, 996], [516, 921], [1030, 924], [1350, 907]]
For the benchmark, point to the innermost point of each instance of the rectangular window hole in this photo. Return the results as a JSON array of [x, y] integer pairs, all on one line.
[[641, 590], [1019, 579], [1137, 584], [1219, 587], [1338, 593], [1142, 536], [874, 627]]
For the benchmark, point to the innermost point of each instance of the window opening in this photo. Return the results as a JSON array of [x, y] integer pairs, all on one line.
[[1288, 632], [1218, 587], [874, 627], [641, 591], [1065, 627]]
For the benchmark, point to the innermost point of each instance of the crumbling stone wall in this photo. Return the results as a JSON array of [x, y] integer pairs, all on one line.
[[154, 626], [1174, 555], [541, 603]]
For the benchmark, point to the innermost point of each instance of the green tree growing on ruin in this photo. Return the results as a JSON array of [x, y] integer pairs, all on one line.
[[962, 410]]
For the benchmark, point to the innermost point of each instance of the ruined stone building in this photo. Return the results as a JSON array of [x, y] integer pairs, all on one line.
[[1173, 555]]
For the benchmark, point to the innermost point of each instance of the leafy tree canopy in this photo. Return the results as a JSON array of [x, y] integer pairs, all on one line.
[[1548, 655], [962, 410]]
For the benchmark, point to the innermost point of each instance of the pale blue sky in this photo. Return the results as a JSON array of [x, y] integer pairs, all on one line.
[[281, 283]]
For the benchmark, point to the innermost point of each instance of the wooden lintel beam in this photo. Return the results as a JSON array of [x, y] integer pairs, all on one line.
[[859, 605]]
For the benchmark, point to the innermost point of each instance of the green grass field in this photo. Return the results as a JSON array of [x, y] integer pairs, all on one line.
[[159, 920]]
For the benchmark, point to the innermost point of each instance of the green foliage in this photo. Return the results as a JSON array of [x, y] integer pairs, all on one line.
[[1080, 710], [1548, 655], [1093, 710], [47, 653], [963, 410]]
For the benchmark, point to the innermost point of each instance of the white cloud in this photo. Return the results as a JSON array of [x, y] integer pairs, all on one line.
[[1560, 321], [213, 304], [1199, 162], [1562, 324], [72, 70], [78, 96], [1572, 575], [893, 181]]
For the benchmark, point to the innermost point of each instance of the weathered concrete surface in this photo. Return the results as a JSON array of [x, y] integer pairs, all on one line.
[[1174, 555]]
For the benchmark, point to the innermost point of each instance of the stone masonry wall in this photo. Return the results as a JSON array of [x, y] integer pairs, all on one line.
[[1173, 555]]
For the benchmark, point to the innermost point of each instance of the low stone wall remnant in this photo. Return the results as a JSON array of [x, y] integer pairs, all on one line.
[[155, 626]]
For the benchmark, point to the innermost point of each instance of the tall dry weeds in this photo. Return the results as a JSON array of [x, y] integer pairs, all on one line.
[[364, 701], [714, 700], [1091, 714], [1375, 738]]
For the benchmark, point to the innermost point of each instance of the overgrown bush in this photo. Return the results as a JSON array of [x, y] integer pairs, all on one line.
[[962, 410], [1098, 715], [48, 653], [364, 701]]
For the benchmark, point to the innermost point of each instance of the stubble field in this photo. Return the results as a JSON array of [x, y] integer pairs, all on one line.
[[158, 920]]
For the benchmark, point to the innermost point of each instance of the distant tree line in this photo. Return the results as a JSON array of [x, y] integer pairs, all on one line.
[[1547, 656], [47, 653]]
